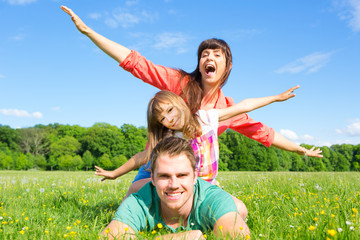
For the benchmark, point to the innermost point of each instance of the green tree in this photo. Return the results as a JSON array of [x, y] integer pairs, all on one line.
[[88, 160], [103, 138], [21, 162], [77, 162], [6, 161], [134, 139], [10, 137], [65, 162], [65, 146], [105, 162], [40, 161], [52, 163]]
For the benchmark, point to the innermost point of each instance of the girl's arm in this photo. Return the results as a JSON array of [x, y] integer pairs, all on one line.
[[251, 104], [113, 49], [136, 161]]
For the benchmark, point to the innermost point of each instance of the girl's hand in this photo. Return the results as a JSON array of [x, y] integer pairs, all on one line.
[[313, 152], [106, 174], [287, 95], [80, 25]]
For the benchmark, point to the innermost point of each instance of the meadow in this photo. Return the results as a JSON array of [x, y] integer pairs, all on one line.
[[281, 205]]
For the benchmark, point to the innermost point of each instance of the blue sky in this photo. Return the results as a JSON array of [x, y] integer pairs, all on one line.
[[50, 73]]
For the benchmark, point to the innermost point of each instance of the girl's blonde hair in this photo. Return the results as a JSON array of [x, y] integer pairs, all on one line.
[[156, 131]]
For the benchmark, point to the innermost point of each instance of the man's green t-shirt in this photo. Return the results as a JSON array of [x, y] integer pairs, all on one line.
[[141, 210]]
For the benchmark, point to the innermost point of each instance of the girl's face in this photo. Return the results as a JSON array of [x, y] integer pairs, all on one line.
[[171, 117], [212, 66]]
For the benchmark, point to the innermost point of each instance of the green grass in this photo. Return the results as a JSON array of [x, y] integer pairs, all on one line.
[[76, 205]]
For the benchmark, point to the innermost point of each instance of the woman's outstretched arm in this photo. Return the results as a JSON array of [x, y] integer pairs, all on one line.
[[111, 48]]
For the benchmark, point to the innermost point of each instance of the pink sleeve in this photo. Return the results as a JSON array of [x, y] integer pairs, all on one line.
[[248, 127], [161, 77]]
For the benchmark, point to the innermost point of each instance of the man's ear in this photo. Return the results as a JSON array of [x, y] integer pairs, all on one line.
[[195, 176], [152, 178]]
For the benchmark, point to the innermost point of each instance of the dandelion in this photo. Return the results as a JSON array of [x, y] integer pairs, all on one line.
[[107, 230], [247, 237], [153, 232], [27, 218], [68, 228], [312, 228], [332, 232], [49, 219], [241, 228], [46, 232], [65, 235], [315, 219], [4, 223], [78, 221], [86, 226], [205, 236], [159, 225], [332, 215], [355, 211], [126, 229], [22, 232]]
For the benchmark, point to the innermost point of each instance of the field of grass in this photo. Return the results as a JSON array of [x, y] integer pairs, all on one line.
[[77, 205]]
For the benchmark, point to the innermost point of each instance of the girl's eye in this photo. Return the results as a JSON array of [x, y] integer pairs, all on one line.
[[170, 109], [162, 119]]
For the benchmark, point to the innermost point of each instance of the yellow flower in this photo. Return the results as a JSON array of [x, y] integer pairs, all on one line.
[[72, 233], [68, 227], [78, 221], [221, 227], [205, 236], [4, 223], [126, 229], [86, 226], [241, 228], [315, 219], [153, 232], [46, 232], [322, 212], [355, 210], [332, 215], [22, 231], [107, 230], [49, 219], [311, 228], [65, 235], [332, 232], [247, 236], [27, 218], [159, 225]]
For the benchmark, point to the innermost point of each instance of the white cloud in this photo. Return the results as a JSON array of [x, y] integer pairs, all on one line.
[[171, 40], [309, 63], [20, 113], [127, 18], [350, 12], [19, 2], [353, 129], [95, 16], [289, 134], [55, 109], [131, 2], [17, 37]]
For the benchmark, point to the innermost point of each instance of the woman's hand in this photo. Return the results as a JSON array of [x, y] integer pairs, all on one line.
[[80, 25]]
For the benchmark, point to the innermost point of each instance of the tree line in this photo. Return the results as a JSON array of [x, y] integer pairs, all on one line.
[[66, 147]]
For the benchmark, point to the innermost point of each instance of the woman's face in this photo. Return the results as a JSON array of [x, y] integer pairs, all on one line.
[[212, 66], [171, 117]]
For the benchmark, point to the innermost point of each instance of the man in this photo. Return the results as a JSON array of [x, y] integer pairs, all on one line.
[[177, 200]]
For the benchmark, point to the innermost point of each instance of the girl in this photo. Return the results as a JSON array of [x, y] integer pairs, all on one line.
[[168, 114]]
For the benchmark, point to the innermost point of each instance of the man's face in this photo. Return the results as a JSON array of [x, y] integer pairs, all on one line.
[[174, 180]]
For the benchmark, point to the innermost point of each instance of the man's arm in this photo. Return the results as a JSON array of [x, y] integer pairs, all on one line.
[[192, 234], [117, 230], [136, 161], [251, 104], [231, 225], [111, 48]]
